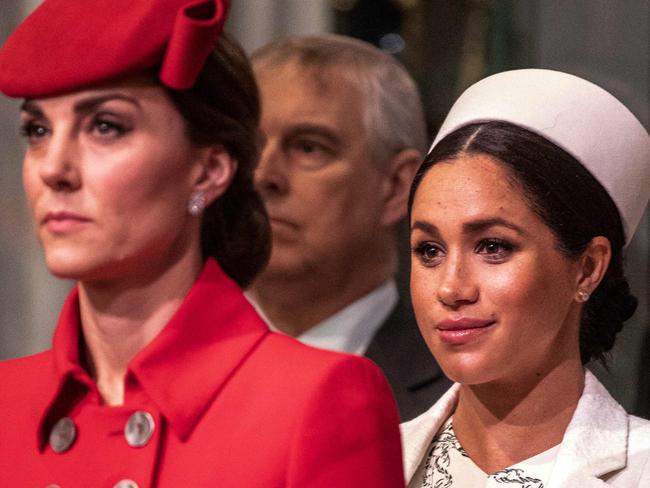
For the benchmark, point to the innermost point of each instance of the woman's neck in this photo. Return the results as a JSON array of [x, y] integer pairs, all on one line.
[[119, 318], [499, 425]]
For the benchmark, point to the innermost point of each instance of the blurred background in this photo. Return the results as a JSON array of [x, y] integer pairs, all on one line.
[[446, 45]]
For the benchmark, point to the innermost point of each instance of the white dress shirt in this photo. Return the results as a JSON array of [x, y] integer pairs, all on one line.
[[352, 328]]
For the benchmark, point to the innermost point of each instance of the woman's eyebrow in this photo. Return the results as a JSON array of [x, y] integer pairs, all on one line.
[[423, 226], [472, 227], [483, 224], [89, 104], [82, 106], [32, 108]]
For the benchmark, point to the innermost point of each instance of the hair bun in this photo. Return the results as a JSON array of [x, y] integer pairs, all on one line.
[[603, 318]]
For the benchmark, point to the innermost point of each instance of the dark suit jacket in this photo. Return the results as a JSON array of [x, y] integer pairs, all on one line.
[[400, 351], [643, 392]]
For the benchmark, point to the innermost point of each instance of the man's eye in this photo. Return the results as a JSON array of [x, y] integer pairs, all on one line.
[[309, 147], [309, 154]]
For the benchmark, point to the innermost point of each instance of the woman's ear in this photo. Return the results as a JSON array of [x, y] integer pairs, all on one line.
[[216, 169], [401, 171], [594, 262]]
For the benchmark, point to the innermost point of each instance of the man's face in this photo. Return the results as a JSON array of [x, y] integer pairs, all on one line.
[[323, 192]]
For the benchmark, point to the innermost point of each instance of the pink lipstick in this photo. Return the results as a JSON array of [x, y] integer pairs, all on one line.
[[462, 330], [62, 222]]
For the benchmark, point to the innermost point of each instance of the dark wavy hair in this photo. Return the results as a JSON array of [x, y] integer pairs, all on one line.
[[569, 200], [223, 107]]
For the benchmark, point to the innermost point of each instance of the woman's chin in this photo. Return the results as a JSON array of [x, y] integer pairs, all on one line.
[[66, 273], [70, 268], [468, 371]]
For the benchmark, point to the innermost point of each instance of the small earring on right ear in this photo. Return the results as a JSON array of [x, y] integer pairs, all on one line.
[[196, 203], [583, 296]]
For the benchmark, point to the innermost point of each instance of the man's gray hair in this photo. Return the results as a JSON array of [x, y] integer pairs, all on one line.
[[393, 113]]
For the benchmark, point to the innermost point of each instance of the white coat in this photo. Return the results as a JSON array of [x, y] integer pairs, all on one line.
[[603, 446]]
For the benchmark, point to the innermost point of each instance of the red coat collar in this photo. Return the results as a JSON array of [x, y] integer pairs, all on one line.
[[184, 367]]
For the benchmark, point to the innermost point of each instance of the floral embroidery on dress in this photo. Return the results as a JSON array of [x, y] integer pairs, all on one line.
[[438, 459], [445, 448], [514, 475]]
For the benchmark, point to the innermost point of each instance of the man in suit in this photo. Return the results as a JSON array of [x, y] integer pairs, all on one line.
[[343, 133]]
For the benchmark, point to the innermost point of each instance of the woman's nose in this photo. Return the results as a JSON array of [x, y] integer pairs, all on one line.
[[59, 168], [270, 175], [457, 286]]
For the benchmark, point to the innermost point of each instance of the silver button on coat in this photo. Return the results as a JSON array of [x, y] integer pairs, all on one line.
[[126, 484], [139, 429], [63, 435]]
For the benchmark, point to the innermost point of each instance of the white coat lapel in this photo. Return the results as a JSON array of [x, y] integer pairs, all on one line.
[[418, 433], [595, 442]]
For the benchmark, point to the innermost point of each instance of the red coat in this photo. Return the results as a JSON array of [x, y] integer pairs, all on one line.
[[230, 405]]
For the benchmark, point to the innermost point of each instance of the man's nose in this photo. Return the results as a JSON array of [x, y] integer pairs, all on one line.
[[271, 173]]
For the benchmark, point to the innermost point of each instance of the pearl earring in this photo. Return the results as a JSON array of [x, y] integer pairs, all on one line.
[[583, 296], [196, 203]]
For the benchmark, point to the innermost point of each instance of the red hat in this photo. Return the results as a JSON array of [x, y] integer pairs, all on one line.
[[65, 45]]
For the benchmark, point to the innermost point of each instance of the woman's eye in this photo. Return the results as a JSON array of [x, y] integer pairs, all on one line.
[[494, 249], [108, 128], [428, 253], [33, 131]]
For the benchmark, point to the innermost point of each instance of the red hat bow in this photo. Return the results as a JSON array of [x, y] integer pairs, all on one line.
[[65, 45]]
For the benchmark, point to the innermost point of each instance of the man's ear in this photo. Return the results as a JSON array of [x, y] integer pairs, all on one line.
[[401, 170], [216, 169], [594, 262]]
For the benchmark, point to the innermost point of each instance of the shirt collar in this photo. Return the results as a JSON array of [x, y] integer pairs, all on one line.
[[587, 448], [213, 330], [351, 329]]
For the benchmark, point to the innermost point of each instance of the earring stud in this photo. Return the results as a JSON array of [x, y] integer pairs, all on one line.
[[196, 203], [583, 296]]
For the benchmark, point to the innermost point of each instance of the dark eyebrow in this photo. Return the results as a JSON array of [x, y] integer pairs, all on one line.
[[89, 104], [469, 227], [32, 108], [82, 106], [424, 227], [484, 224]]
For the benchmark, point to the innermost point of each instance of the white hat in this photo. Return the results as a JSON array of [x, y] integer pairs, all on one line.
[[580, 117]]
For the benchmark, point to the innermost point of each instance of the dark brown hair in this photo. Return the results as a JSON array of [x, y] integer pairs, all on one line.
[[569, 200], [223, 108]]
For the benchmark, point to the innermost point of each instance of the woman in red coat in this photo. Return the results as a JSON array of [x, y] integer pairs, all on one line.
[[141, 142]]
